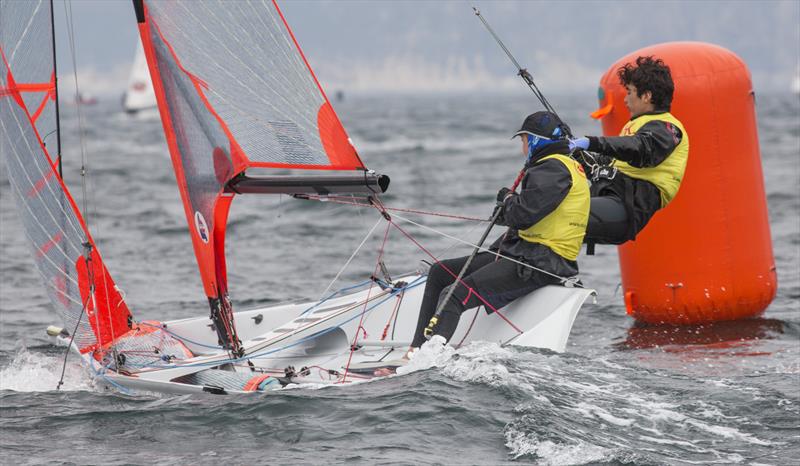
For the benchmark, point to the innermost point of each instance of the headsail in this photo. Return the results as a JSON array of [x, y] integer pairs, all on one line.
[[235, 92], [75, 278], [139, 93]]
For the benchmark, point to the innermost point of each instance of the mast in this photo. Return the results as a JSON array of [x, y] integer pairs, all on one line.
[[55, 85]]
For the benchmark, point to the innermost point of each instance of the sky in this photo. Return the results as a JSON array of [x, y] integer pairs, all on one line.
[[440, 46]]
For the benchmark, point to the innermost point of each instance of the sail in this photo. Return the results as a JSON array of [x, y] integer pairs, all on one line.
[[70, 267], [235, 92], [139, 94]]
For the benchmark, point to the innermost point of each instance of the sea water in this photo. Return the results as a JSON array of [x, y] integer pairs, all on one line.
[[723, 393]]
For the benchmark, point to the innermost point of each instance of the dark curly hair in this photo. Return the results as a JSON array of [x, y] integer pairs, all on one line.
[[649, 74]]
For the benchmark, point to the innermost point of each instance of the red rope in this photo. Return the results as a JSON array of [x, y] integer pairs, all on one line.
[[366, 302], [469, 329], [389, 323]]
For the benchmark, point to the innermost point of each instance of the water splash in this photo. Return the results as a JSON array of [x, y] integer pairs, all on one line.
[[433, 353], [37, 372]]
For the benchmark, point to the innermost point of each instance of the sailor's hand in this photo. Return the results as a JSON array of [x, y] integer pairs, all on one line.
[[504, 194], [500, 217], [579, 143]]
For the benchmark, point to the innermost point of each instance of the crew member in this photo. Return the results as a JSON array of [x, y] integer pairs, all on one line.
[[546, 225], [639, 171]]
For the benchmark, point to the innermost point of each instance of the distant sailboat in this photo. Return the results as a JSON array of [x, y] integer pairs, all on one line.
[[232, 100], [139, 94]]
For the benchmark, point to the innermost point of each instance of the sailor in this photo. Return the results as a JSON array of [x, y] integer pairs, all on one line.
[[546, 225], [639, 171]]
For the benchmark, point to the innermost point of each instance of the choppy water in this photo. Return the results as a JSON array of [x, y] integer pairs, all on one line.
[[727, 393]]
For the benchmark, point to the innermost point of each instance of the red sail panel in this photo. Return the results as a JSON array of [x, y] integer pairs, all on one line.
[[57, 233]]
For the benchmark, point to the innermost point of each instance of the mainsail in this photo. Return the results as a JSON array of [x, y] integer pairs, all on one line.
[[139, 93], [78, 284], [235, 92]]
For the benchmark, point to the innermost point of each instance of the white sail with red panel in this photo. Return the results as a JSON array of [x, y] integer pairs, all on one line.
[[77, 282]]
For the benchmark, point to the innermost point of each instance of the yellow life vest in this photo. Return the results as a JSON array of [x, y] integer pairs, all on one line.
[[667, 175], [562, 230]]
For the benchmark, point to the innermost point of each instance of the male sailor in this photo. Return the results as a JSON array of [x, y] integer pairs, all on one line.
[[645, 163], [546, 224]]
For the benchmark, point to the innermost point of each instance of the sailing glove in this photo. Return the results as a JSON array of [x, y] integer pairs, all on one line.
[[503, 194], [500, 220], [579, 143]]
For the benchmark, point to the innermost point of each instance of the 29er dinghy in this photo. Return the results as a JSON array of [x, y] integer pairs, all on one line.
[[237, 99]]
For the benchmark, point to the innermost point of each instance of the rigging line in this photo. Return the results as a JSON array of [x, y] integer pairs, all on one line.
[[469, 329], [55, 82], [71, 35], [353, 255], [485, 249], [71, 339], [85, 158], [458, 278], [366, 302], [339, 200]]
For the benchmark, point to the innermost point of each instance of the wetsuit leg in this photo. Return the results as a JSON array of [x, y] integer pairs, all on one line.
[[608, 221], [498, 283], [438, 279]]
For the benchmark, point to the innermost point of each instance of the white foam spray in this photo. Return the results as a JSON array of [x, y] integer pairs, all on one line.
[[36, 372]]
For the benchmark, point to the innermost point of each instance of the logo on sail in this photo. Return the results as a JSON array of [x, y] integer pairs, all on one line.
[[201, 226]]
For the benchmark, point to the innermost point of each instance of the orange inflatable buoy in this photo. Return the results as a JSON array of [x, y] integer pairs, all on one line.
[[707, 256]]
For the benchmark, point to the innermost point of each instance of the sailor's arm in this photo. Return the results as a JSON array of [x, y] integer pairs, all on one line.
[[546, 185], [651, 144]]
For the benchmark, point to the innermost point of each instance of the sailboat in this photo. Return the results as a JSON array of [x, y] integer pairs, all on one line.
[[241, 108], [139, 93]]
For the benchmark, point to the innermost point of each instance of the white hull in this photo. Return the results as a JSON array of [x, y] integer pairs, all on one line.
[[320, 335]]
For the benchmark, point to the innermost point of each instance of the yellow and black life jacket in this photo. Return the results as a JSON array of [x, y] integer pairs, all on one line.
[[563, 229], [667, 175]]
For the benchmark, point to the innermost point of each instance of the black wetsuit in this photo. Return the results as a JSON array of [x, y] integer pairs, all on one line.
[[499, 281], [622, 206]]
